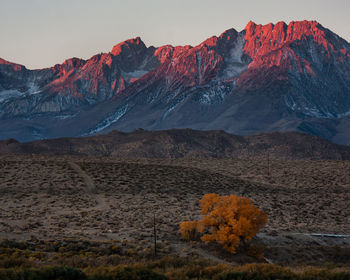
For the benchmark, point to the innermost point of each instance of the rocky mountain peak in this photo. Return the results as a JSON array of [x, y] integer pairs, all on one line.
[[68, 66], [261, 39], [129, 46], [14, 66]]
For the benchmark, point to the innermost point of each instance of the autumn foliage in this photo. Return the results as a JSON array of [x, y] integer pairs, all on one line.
[[228, 220], [189, 230]]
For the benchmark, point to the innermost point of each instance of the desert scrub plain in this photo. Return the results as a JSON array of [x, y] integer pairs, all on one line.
[[53, 203]]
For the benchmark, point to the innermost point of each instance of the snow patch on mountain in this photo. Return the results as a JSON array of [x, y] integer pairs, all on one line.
[[302, 105], [344, 114], [7, 94], [33, 88], [234, 64], [289, 101], [170, 98], [199, 63], [214, 94], [109, 120], [153, 95], [314, 112], [173, 106], [307, 109], [134, 75], [64, 117]]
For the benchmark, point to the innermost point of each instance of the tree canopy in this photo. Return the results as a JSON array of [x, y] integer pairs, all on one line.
[[229, 220]]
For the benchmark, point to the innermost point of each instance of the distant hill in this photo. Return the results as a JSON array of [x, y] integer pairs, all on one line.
[[185, 143]]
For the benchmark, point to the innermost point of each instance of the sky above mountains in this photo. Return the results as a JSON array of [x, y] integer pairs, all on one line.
[[41, 33]]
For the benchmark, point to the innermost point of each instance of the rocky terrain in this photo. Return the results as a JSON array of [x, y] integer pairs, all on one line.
[[274, 77], [185, 143]]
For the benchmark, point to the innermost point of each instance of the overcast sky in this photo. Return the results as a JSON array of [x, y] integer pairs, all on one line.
[[41, 33]]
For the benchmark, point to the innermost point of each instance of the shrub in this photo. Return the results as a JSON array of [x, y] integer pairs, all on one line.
[[45, 273], [126, 273]]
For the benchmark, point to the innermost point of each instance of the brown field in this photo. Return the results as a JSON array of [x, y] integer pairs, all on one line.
[[96, 198]]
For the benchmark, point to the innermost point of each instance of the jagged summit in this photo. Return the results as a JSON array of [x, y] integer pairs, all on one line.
[[282, 33], [252, 24], [293, 76], [3, 61], [15, 66], [131, 44]]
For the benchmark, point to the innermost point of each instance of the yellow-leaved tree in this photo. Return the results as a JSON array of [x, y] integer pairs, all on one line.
[[229, 220]]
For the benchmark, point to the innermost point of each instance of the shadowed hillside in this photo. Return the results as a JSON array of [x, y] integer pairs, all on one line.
[[185, 143]]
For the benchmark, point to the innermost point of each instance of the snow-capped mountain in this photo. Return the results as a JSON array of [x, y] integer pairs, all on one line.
[[264, 78]]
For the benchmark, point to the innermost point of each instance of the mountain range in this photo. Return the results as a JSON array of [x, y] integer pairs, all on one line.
[[265, 78]]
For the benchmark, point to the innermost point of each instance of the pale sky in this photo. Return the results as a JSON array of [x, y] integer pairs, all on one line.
[[42, 33]]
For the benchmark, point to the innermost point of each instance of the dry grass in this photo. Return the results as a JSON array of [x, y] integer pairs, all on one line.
[[110, 199]]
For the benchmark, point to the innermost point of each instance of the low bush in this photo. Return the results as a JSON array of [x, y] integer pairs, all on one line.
[[44, 273], [125, 273]]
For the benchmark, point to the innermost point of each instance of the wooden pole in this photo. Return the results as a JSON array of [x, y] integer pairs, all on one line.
[[155, 234], [268, 164]]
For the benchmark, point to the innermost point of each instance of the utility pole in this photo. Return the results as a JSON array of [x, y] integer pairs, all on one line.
[[155, 234], [268, 164]]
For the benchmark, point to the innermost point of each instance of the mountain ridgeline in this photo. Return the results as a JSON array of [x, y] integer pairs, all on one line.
[[185, 143], [266, 78]]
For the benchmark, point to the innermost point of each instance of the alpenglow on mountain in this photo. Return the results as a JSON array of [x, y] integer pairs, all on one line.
[[265, 78]]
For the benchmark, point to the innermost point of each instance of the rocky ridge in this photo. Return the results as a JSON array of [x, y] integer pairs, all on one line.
[[265, 78]]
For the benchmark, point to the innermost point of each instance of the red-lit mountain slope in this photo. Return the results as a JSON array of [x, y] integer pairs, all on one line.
[[264, 78]]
